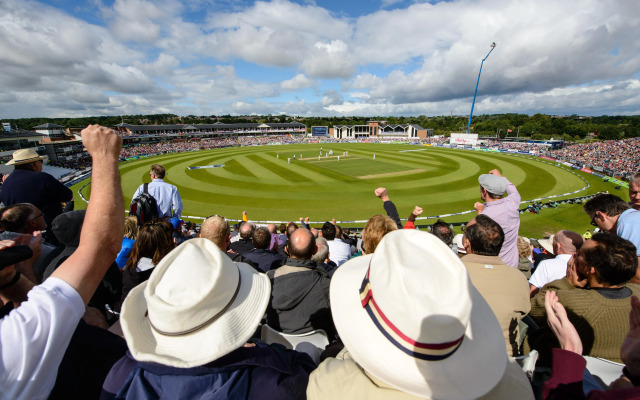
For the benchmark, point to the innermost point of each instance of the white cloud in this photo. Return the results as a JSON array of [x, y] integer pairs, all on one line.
[[205, 85], [297, 82], [365, 81], [125, 79], [258, 107], [140, 20], [85, 94], [299, 107], [622, 98], [533, 53], [7, 97], [152, 56], [163, 66], [332, 97], [278, 33], [330, 60]]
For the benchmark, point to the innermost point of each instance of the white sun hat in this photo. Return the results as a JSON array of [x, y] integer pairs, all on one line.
[[409, 315], [547, 244], [457, 239], [196, 307], [24, 156]]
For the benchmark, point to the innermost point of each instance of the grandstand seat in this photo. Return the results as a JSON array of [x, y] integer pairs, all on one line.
[[57, 172], [312, 343]]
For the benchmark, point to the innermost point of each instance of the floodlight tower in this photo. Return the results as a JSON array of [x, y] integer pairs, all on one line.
[[493, 46]]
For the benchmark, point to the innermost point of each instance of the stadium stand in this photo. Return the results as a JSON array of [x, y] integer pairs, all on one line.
[[259, 369]]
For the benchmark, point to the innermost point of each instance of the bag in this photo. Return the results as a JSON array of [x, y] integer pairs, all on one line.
[[144, 207]]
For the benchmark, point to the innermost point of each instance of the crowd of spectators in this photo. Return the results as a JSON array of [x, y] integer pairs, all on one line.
[[204, 144], [80, 159], [621, 156], [77, 163], [400, 313], [530, 147]]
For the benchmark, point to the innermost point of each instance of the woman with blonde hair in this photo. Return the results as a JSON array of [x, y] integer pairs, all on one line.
[[129, 238], [377, 226], [524, 254]]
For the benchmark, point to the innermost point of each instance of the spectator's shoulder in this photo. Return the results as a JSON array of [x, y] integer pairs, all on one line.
[[558, 285], [545, 262], [561, 286], [635, 288]]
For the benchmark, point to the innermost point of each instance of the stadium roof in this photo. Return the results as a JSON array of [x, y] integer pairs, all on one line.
[[6, 136], [48, 126], [217, 126]]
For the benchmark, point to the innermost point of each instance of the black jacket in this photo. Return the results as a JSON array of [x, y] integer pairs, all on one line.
[[299, 300], [265, 260], [242, 246]]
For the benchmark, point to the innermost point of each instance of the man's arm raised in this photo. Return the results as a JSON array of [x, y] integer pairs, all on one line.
[[388, 205], [101, 235], [412, 218]]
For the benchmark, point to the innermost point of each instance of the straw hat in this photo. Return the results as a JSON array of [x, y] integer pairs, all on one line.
[[196, 307], [409, 315], [547, 244], [25, 156], [457, 239]]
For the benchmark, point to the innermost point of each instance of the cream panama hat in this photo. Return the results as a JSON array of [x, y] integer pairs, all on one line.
[[25, 156], [196, 307], [547, 244], [409, 315]]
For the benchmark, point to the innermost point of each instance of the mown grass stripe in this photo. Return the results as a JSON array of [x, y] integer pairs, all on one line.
[[280, 168], [449, 183], [263, 174]]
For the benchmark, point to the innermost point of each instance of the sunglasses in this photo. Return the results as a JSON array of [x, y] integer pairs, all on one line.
[[593, 220]]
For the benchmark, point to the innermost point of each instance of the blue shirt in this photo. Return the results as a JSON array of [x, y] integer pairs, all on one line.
[[125, 251], [629, 227], [166, 196]]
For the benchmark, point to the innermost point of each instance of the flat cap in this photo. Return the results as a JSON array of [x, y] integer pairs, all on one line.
[[494, 184]]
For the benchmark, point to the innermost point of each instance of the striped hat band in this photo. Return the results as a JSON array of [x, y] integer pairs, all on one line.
[[413, 348]]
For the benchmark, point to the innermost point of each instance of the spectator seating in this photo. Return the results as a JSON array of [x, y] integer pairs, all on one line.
[[312, 343]]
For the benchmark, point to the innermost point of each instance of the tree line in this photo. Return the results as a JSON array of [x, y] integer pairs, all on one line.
[[538, 126]]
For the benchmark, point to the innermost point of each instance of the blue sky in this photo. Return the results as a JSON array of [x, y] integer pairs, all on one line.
[[318, 58]]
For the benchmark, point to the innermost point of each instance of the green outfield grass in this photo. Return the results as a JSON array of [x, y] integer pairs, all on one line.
[[263, 182]]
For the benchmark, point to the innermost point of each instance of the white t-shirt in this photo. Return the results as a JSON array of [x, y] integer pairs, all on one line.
[[550, 270], [339, 251], [34, 338]]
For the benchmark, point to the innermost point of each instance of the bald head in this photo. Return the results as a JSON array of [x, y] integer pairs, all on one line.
[[271, 228], [246, 230], [302, 244], [217, 230], [567, 242]]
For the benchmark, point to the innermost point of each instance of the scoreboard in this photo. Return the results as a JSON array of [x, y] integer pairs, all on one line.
[[319, 130]]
